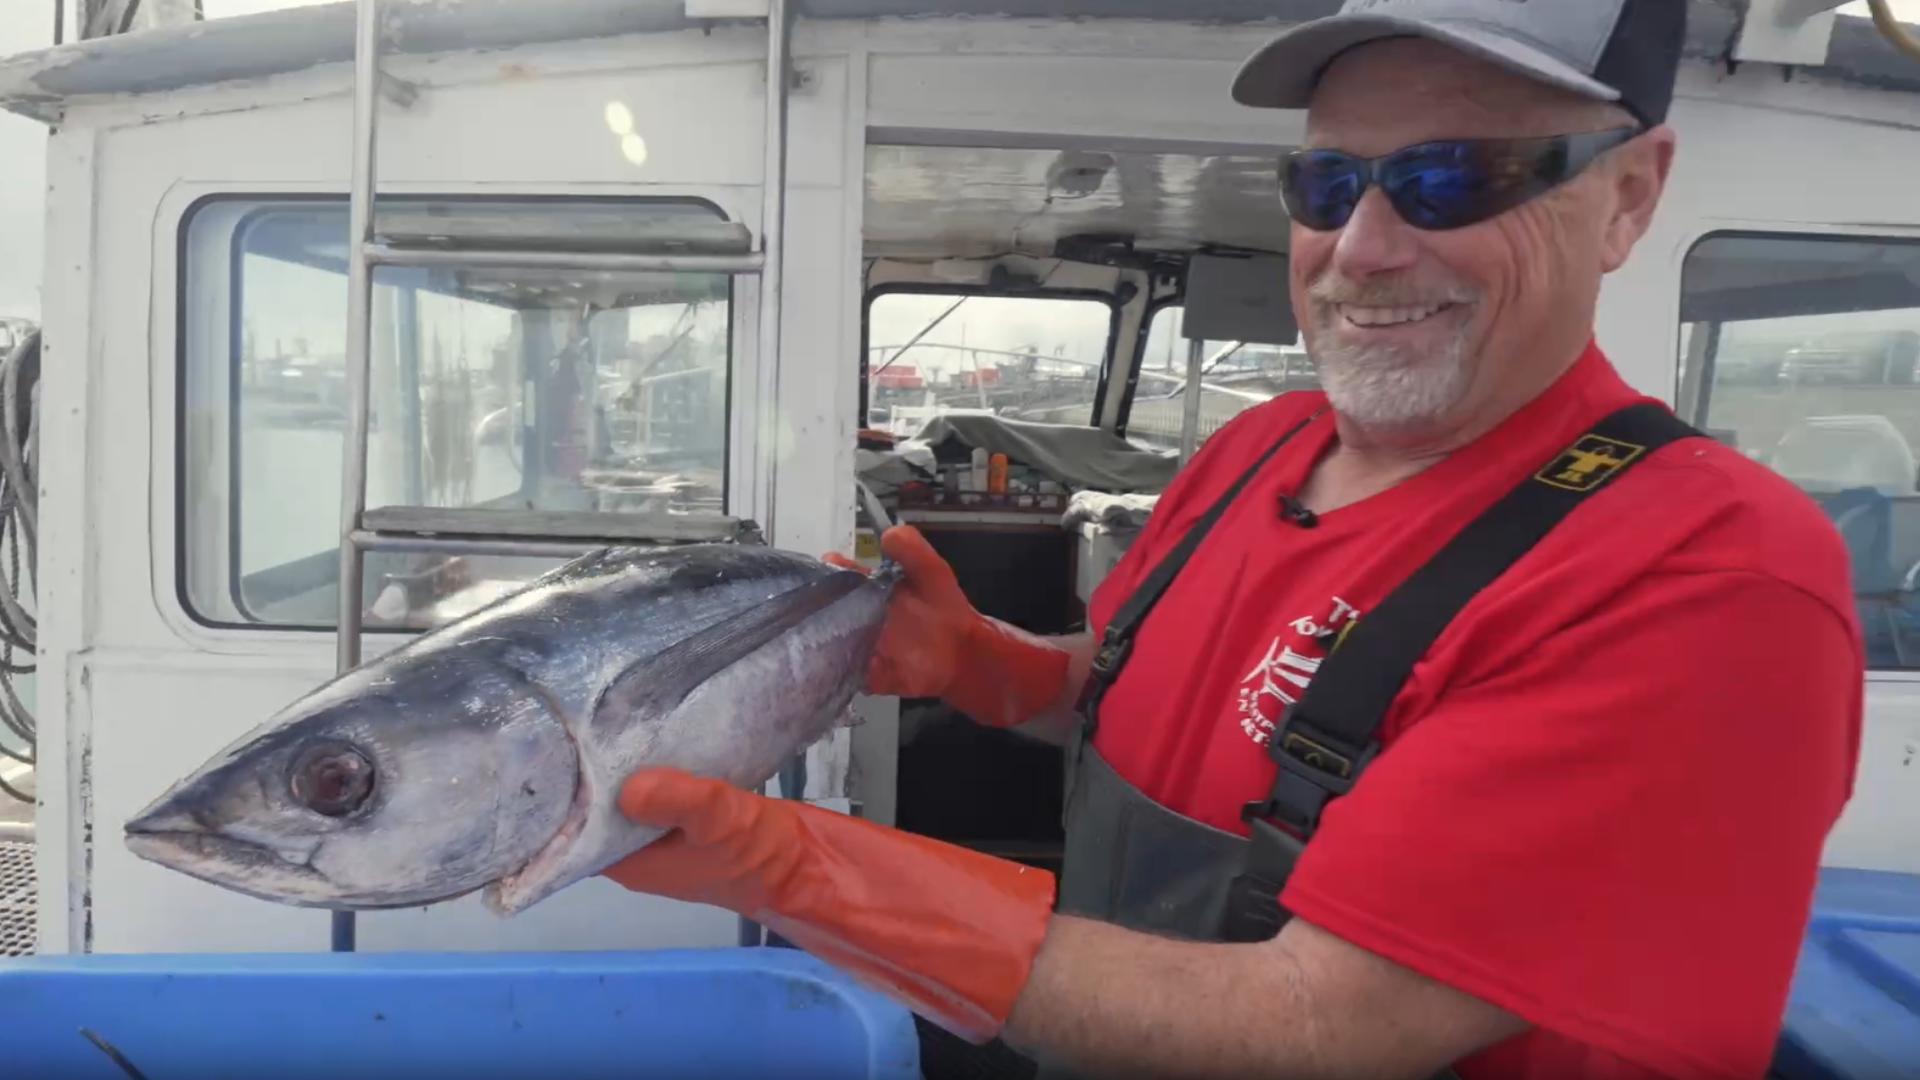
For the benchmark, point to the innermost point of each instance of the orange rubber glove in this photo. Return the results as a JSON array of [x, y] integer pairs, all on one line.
[[948, 932], [936, 644]]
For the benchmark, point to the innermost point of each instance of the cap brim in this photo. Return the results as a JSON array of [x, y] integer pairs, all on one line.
[[1282, 74]]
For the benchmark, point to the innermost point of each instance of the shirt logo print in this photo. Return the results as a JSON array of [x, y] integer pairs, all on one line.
[[1281, 678]]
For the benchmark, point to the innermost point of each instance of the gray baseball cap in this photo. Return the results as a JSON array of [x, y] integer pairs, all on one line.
[[1623, 51]]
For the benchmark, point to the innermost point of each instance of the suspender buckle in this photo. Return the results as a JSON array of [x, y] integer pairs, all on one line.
[[1111, 656], [1108, 659], [1315, 755], [1315, 769], [1253, 910]]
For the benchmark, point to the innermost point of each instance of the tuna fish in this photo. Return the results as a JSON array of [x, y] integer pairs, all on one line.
[[488, 754]]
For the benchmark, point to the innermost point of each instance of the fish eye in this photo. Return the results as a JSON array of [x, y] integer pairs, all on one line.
[[332, 780]]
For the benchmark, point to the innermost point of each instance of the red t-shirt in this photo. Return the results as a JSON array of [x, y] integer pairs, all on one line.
[[1604, 790]]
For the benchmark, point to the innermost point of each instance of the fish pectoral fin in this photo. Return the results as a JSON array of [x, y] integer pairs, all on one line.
[[660, 682]]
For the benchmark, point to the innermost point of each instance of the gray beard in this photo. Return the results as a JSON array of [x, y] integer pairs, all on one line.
[[1385, 388]]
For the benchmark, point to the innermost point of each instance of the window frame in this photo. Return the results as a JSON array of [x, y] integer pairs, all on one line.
[[1698, 411], [1140, 356], [1115, 313], [1154, 308], [183, 532]]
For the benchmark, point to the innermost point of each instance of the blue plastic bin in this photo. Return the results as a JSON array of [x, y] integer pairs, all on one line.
[[1855, 1009], [757, 1012]]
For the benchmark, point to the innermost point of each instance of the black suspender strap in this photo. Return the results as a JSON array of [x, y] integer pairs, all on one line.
[[1324, 742], [1116, 645]]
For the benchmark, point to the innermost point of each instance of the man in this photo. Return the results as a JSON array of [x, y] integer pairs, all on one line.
[[1562, 696]]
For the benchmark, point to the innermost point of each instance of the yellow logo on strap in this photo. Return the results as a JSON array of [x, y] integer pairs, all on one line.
[[1589, 463]]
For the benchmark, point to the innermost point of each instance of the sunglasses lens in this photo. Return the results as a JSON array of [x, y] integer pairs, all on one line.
[[1453, 185], [1321, 188], [1438, 185]]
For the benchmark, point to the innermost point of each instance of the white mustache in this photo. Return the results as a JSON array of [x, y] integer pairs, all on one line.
[[1384, 296]]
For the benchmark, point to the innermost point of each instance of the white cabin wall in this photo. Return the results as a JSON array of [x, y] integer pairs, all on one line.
[[159, 692], [68, 511], [1074, 98], [818, 386]]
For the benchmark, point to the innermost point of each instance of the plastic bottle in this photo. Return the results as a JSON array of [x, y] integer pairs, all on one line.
[[997, 474], [980, 460]]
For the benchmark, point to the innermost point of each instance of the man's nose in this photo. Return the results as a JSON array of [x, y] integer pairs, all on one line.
[[1375, 239]]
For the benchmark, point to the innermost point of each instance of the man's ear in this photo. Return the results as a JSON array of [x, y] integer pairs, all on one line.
[[1639, 176]]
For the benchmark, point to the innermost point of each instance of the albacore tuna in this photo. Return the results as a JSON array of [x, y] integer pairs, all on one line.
[[489, 754]]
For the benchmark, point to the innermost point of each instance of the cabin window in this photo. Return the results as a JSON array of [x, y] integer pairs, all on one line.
[[1234, 377], [508, 389], [932, 353], [1804, 353]]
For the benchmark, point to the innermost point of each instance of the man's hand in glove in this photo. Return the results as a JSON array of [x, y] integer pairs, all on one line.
[[951, 932], [971, 943], [937, 645]]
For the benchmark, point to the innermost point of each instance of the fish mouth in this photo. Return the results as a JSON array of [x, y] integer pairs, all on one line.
[[171, 834], [253, 870], [232, 864]]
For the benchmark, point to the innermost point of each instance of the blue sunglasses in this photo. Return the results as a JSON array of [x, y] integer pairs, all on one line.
[[1441, 185]]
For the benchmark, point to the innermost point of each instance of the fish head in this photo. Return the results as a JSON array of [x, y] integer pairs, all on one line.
[[383, 789]]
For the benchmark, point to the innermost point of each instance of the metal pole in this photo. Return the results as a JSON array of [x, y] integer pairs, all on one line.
[[353, 471], [773, 181], [509, 259], [924, 331], [504, 548], [407, 354], [773, 244], [1190, 423]]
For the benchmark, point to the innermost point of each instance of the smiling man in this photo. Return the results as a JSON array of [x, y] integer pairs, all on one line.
[[1474, 714]]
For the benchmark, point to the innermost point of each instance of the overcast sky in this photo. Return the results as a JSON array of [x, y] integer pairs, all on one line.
[[28, 24]]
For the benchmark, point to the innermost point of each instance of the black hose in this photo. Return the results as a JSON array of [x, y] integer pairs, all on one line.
[[19, 527]]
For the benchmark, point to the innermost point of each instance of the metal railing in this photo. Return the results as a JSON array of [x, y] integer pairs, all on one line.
[[415, 529]]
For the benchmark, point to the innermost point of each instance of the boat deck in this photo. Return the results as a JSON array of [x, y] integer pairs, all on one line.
[[19, 895], [19, 885]]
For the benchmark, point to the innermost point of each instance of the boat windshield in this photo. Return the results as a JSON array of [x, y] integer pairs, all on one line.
[[1022, 357]]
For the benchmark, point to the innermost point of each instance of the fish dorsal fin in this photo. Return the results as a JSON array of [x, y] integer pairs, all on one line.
[[660, 682]]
